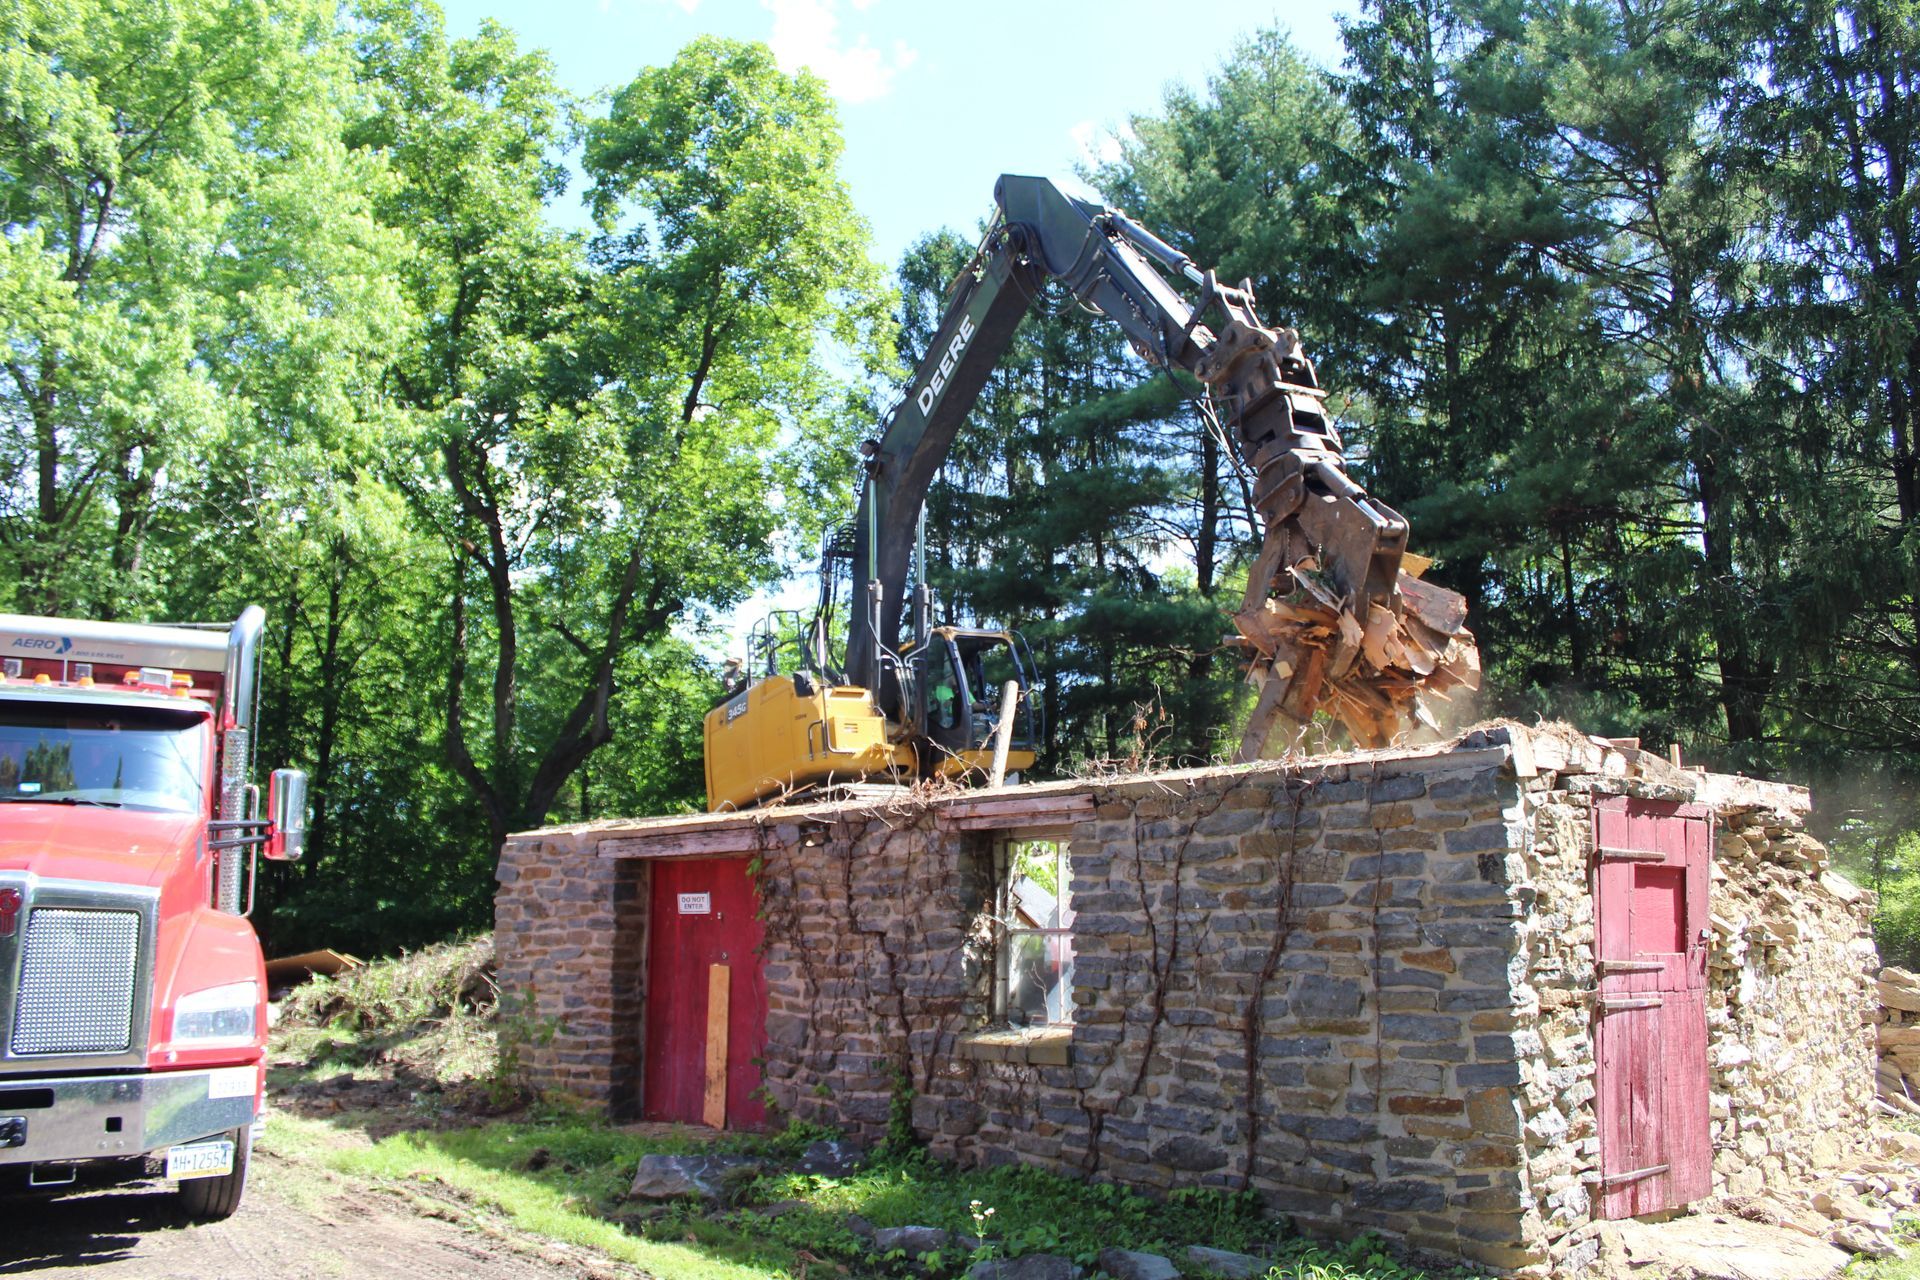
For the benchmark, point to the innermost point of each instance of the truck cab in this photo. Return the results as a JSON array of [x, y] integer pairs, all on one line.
[[132, 990]]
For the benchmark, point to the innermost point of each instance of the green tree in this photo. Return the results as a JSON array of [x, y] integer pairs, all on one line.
[[615, 426], [1239, 178], [1833, 126], [1625, 107], [189, 270]]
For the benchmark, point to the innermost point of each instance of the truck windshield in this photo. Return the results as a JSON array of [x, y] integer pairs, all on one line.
[[118, 756]]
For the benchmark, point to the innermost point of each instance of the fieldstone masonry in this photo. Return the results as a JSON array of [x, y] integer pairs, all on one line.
[[1360, 986]]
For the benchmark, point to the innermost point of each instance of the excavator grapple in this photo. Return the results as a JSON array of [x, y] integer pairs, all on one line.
[[1332, 617]]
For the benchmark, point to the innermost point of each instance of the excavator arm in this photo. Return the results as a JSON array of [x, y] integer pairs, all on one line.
[[1331, 618]]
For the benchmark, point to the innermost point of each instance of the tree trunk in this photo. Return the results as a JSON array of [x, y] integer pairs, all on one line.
[[1743, 679], [333, 679]]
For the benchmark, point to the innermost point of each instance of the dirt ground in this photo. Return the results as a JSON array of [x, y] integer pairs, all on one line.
[[296, 1223]]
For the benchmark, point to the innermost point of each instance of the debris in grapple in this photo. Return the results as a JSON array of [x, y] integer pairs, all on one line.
[[1313, 654]]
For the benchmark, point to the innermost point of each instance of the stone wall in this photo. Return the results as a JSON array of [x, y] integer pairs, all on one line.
[[1899, 1041], [1360, 987], [1290, 980], [570, 947]]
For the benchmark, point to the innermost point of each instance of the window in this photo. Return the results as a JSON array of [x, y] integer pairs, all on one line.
[[117, 757], [1034, 909]]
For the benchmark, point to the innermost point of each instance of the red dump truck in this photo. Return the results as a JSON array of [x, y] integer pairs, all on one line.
[[133, 1016]]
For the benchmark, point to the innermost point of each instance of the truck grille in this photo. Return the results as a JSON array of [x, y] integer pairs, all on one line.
[[77, 971]]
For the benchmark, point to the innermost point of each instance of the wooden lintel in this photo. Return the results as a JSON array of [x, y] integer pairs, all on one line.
[[999, 813], [1009, 822], [974, 805], [1618, 1004], [745, 838]]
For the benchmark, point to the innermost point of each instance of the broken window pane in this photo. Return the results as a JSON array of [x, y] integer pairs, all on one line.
[[1039, 978]]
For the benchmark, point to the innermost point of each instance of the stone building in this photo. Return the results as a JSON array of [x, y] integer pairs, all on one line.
[[1479, 997]]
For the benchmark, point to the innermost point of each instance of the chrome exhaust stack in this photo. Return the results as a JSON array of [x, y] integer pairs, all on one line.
[[239, 800]]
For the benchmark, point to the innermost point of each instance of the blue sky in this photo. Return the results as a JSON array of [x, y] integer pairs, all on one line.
[[936, 100]]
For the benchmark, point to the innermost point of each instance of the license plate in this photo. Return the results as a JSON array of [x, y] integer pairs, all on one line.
[[201, 1160]]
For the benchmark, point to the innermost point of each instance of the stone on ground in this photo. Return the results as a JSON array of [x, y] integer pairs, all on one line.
[[1127, 1264], [1226, 1263], [835, 1159], [914, 1241], [1032, 1266], [1712, 1247], [696, 1177], [1855, 1238]]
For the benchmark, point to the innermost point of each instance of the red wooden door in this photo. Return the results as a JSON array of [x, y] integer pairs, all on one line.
[[702, 915], [1650, 1023]]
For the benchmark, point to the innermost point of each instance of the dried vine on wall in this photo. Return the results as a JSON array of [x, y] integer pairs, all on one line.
[[1285, 873]]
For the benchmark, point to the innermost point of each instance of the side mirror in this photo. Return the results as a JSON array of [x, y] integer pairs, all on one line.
[[287, 815]]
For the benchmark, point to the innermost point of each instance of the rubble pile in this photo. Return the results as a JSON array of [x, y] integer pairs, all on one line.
[[1855, 1208], [1898, 1074]]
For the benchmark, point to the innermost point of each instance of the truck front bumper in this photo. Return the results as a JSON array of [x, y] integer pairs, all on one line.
[[106, 1116]]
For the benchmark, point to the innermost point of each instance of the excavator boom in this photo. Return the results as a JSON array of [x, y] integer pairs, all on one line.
[[1331, 619]]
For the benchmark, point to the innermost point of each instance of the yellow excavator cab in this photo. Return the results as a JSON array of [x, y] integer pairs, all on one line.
[[780, 735]]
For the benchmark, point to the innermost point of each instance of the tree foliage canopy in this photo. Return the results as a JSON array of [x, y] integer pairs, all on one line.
[[1619, 302]]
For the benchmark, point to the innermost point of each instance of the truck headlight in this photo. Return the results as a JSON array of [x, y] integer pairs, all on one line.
[[217, 1013]]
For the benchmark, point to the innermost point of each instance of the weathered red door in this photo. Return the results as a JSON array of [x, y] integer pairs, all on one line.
[[703, 916], [1650, 1022]]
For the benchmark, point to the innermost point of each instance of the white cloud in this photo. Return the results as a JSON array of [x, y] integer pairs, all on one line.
[[806, 34]]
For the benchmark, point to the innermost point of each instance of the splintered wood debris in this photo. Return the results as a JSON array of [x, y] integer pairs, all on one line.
[[1312, 653]]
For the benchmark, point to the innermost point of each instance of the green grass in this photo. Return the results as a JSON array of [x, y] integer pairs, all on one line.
[[566, 1179], [427, 1021]]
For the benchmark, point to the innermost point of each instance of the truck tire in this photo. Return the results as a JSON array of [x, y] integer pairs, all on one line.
[[216, 1199]]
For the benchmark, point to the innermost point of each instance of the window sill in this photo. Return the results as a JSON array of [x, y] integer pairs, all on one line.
[[1035, 1046]]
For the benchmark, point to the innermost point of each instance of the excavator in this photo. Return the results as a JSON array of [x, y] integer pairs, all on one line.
[[1335, 617]]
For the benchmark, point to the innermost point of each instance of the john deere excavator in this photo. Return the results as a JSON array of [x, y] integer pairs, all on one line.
[[1335, 616]]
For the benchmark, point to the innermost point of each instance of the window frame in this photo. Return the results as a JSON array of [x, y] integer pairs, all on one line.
[[1006, 931]]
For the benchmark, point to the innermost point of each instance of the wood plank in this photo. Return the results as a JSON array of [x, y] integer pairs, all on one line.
[[745, 838], [1631, 855], [1442, 610], [714, 1106], [1609, 967], [1633, 1175], [1266, 714], [1055, 801], [1523, 760]]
